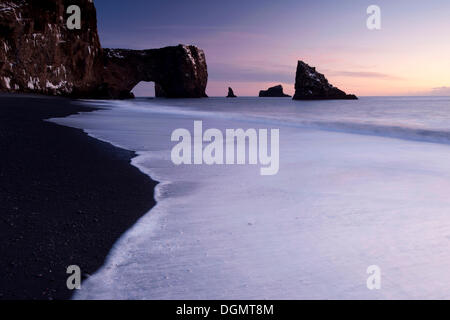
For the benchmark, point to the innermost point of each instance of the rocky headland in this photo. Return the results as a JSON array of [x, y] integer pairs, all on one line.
[[39, 54]]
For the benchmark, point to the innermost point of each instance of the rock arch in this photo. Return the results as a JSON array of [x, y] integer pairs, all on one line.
[[178, 72]]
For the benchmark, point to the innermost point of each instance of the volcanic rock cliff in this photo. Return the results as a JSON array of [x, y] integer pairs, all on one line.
[[39, 54], [312, 85]]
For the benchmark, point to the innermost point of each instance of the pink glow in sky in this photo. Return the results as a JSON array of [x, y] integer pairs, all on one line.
[[250, 45]]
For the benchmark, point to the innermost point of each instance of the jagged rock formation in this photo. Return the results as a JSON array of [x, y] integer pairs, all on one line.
[[312, 85], [276, 91], [231, 93], [178, 72], [39, 54]]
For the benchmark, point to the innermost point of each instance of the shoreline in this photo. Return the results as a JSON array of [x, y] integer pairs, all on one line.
[[65, 198], [337, 202]]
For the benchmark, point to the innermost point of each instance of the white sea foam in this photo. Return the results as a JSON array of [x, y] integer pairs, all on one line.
[[340, 203]]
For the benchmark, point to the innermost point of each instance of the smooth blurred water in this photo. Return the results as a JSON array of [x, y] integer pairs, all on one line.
[[340, 202], [416, 118]]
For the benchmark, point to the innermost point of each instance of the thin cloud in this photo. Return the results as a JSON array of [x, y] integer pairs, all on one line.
[[226, 72], [441, 91], [285, 74], [365, 74]]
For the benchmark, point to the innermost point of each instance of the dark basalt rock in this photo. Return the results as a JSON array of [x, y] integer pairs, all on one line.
[[231, 93], [276, 91], [178, 72], [39, 54], [312, 85]]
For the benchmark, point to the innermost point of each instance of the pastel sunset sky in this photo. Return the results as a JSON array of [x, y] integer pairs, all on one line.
[[253, 44]]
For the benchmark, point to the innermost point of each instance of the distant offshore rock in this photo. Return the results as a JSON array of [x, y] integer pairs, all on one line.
[[231, 93], [39, 54], [312, 85], [276, 91]]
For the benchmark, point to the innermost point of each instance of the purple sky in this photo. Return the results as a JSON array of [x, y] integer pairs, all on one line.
[[251, 45]]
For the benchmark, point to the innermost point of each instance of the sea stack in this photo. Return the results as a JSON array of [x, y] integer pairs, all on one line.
[[39, 54], [276, 91], [312, 85], [231, 93]]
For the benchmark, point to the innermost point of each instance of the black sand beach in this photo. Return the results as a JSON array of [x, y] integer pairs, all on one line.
[[65, 198]]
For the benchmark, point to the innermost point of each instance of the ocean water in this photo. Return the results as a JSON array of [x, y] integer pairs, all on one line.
[[360, 183]]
